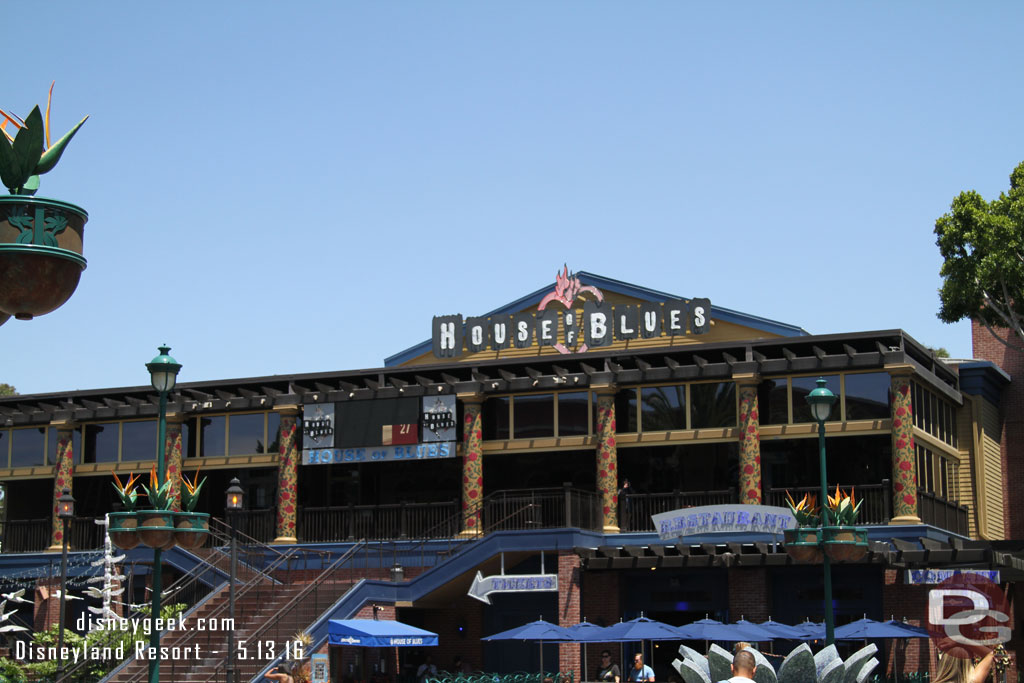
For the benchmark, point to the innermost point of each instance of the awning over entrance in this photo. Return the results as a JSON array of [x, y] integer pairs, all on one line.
[[371, 633]]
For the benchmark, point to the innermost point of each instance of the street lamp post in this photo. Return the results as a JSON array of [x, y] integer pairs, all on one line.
[[821, 401], [65, 511], [163, 372], [233, 504]]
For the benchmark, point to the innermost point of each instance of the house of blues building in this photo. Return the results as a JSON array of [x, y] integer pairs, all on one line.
[[501, 445]]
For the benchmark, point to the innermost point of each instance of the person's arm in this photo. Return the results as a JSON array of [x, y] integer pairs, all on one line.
[[616, 673], [982, 668]]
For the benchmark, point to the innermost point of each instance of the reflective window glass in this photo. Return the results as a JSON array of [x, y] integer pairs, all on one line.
[[773, 402], [663, 408], [534, 416], [190, 438], [212, 435], [494, 414], [572, 414], [625, 411], [802, 386], [101, 442], [245, 434], [867, 396], [27, 446], [139, 440], [51, 446], [274, 433], [5, 440], [712, 405]]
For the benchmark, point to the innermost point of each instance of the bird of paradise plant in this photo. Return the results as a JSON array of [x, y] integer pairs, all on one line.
[[29, 153], [159, 496], [843, 508], [126, 491], [806, 511], [190, 496]]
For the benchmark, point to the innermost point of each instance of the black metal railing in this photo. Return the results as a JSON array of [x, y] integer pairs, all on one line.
[[635, 509], [379, 522], [26, 535], [876, 499], [942, 513]]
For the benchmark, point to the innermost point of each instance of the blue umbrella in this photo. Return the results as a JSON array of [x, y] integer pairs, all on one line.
[[539, 631], [868, 629], [640, 628], [783, 631], [810, 630], [766, 634], [709, 629]]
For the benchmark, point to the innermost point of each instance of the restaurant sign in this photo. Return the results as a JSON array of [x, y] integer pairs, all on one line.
[[709, 519], [566, 330], [930, 576]]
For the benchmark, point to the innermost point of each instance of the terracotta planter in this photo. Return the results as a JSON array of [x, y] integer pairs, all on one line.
[[845, 543], [40, 254], [191, 529], [156, 529], [123, 530], [803, 544]]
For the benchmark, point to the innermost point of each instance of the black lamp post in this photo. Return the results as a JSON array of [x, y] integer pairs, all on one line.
[[66, 512], [232, 506], [163, 373], [821, 401]]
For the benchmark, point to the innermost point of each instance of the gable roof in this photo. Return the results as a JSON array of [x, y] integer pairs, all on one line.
[[625, 289]]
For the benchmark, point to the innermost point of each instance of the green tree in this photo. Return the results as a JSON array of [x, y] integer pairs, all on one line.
[[7, 390], [982, 244]]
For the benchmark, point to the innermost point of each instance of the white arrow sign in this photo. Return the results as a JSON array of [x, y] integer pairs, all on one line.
[[483, 586]]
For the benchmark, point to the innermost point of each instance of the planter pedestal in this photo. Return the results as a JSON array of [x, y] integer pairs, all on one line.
[[803, 544], [123, 530], [191, 529], [845, 543], [156, 528]]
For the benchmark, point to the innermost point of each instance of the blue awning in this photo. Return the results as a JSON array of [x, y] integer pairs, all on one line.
[[371, 633]]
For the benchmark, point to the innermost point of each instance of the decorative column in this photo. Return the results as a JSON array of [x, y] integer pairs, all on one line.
[[569, 568], [607, 459], [288, 474], [904, 455], [472, 463], [172, 456], [63, 474], [750, 442]]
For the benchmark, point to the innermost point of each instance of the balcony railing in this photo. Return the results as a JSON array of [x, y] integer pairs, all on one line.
[[635, 510], [941, 513]]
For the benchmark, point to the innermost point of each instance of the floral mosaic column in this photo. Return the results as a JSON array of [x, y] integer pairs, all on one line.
[[750, 446], [288, 475], [63, 472], [472, 466], [607, 462], [172, 457], [904, 457]]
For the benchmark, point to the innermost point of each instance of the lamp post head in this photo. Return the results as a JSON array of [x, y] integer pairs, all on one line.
[[821, 401], [235, 496], [66, 505], [163, 370]]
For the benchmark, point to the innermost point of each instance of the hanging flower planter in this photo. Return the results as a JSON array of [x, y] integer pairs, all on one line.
[[803, 544], [156, 528], [40, 239], [191, 529], [124, 530], [845, 543]]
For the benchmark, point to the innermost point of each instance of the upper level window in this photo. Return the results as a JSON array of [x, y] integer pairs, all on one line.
[[28, 446], [662, 408], [867, 395], [101, 442], [533, 416], [573, 413], [139, 440]]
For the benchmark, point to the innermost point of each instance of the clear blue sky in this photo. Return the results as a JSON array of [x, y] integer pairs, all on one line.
[[298, 187]]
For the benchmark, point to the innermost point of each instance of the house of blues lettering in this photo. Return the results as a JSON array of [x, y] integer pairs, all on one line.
[[600, 324]]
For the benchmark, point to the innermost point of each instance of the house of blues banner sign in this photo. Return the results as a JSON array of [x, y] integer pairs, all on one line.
[[379, 430], [566, 330]]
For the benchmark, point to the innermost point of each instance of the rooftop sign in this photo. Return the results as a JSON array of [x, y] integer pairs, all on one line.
[[566, 330], [765, 519]]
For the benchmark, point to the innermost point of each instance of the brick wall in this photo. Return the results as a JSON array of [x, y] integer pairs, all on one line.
[[46, 611], [748, 594], [569, 610], [459, 628], [1012, 413], [900, 600]]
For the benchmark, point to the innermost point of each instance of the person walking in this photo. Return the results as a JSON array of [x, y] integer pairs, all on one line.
[[608, 672], [640, 673], [427, 670], [743, 667]]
